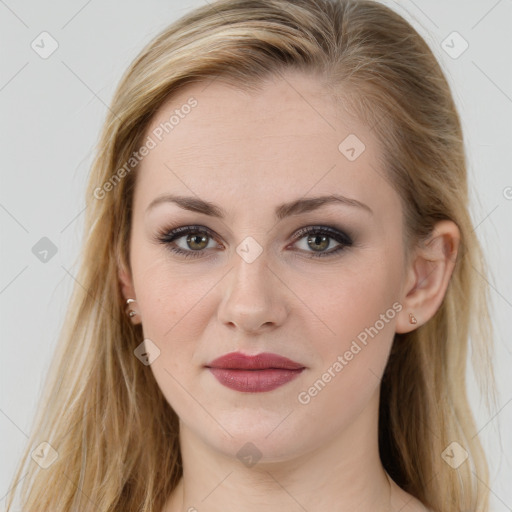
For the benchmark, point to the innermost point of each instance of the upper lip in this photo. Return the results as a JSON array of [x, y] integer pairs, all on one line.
[[263, 361]]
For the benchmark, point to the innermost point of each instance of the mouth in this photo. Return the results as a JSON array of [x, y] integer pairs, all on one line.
[[253, 374]]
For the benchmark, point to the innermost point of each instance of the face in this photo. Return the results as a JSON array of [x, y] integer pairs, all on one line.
[[318, 284]]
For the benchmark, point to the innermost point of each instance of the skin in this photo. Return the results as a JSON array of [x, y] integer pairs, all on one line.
[[248, 153]]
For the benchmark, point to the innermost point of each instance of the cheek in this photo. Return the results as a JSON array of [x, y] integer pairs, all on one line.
[[352, 298], [172, 307], [170, 297], [360, 308]]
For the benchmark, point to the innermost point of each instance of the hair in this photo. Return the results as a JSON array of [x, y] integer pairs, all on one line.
[[116, 436]]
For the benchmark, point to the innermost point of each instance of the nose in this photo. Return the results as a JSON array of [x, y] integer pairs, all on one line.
[[254, 299]]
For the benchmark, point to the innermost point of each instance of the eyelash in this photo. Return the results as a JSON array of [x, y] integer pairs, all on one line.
[[168, 237]]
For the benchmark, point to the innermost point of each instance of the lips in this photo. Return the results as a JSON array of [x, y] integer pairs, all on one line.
[[263, 361], [259, 373]]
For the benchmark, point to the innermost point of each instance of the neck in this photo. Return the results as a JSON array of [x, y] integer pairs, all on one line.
[[344, 474]]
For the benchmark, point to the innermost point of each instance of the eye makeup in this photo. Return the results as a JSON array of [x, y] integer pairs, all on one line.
[[319, 235]]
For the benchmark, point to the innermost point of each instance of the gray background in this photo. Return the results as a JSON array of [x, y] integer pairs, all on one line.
[[52, 111]]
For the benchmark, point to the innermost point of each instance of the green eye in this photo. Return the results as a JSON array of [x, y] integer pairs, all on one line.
[[197, 238]]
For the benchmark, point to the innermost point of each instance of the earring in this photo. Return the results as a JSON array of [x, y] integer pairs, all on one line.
[[131, 313], [412, 319]]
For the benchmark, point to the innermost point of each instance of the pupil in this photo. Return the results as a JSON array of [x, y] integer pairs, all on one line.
[[318, 239], [194, 239]]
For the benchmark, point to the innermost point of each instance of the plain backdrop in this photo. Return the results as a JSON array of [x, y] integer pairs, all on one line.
[[52, 110]]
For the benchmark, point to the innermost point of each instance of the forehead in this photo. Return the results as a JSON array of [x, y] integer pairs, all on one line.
[[284, 140]]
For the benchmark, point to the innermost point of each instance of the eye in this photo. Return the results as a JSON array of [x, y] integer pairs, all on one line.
[[319, 238], [198, 238]]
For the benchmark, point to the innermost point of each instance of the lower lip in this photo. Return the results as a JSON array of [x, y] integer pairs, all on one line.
[[254, 381]]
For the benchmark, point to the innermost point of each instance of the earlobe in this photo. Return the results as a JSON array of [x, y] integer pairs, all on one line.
[[429, 276], [128, 291], [126, 282]]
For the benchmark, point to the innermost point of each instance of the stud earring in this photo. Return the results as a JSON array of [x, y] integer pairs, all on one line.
[[412, 319], [131, 313]]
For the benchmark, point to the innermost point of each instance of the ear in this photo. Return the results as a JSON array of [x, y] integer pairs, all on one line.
[[428, 275], [128, 290], [126, 282]]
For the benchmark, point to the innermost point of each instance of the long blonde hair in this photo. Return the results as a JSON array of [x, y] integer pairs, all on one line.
[[102, 411]]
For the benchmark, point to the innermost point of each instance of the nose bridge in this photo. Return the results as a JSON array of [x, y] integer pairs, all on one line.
[[250, 266], [252, 297]]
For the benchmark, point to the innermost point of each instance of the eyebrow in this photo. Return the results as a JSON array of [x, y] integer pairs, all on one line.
[[303, 205]]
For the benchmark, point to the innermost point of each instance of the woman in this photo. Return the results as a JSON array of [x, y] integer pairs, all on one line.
[[278, 283]]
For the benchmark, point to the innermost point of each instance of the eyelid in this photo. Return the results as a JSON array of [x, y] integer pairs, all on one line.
[[334, 232], [341, 236], [298, 233]]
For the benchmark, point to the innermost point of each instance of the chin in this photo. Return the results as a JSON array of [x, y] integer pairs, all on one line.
[[257, 436]]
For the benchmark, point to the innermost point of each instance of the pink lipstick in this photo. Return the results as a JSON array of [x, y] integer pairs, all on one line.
[[253, 374]]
